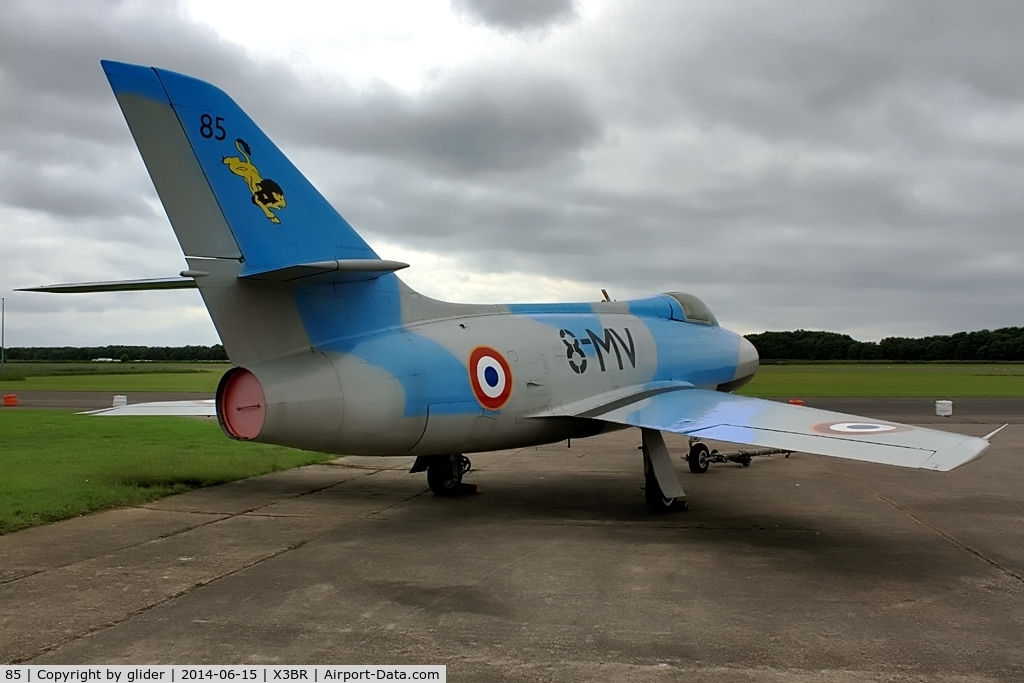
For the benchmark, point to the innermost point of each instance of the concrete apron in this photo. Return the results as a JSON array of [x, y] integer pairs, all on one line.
[[806, 568]]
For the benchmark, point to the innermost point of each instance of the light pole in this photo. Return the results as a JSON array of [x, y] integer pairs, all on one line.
[[3, 319]]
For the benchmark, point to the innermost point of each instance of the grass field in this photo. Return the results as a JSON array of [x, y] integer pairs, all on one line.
[[114, 377], [932, 380], [56, 464], [824, 379]]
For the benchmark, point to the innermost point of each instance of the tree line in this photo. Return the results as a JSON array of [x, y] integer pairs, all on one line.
[[121, 353], [1004, 344]]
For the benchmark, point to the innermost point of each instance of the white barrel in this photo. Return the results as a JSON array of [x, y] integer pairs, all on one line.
[[944, 408], [120, 401]]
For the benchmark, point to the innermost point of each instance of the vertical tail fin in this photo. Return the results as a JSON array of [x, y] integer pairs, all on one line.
[[228, 190], [247, 220]]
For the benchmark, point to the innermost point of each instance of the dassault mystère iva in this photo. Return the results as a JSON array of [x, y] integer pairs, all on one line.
[[334, 353]]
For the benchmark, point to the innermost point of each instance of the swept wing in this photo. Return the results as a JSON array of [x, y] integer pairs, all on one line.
[[757, 422]]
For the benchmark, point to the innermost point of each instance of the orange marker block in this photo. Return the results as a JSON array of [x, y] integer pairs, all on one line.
[[10, 400], [796, 401]]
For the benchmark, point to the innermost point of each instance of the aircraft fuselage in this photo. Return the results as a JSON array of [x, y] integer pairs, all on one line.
[[483, 381]]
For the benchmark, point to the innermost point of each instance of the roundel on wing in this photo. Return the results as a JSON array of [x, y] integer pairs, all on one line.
[[490, 376], [858, 428]]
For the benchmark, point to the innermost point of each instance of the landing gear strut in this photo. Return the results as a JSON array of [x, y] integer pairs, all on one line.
[[658, 502], [444, 473], [662, 491]]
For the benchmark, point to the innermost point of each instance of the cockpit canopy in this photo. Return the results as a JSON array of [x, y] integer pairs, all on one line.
[[695, 310]]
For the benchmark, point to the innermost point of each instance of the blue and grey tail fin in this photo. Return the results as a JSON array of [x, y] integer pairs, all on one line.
[[254, 230], [228, 190]]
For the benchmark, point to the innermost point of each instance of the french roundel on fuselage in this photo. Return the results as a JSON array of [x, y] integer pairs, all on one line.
[[490, 376]]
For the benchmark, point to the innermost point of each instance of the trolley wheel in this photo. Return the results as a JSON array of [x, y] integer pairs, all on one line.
[[698, 458]]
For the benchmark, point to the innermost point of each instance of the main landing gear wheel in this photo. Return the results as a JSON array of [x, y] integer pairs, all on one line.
[[698, 459], [657, 502], [444, 474]]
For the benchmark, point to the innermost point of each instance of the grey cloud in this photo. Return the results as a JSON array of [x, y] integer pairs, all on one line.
[[64, 147], [849, 167], [152, 319], [49, 67], [468, 125], [53, 49], [69, 181], [870, 73], [872, 255], [516, 15]]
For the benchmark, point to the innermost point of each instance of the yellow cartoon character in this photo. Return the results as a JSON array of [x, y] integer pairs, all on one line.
[[266, 194]]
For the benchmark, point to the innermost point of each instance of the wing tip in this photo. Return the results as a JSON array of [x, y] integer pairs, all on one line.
[[988, 437], [968, 450]]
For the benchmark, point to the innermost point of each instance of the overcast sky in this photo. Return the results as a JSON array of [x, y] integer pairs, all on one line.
[[855, 167]]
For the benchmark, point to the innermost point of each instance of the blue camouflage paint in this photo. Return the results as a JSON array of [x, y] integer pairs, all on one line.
[[306, 229], [675, 310], [364, 318], [309, 228], [703, 355], [356, 317], [138, 80], [551, 309], [702, 410], [700, 354], [651, 307]]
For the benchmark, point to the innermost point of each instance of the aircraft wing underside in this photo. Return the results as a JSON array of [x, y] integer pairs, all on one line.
[[740, 419]]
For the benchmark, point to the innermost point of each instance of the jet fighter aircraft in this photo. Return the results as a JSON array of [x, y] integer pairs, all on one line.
[[334, 353]]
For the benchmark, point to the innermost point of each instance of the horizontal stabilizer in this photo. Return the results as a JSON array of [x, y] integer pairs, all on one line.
[[740, 419], [348, 270], [116, 286]]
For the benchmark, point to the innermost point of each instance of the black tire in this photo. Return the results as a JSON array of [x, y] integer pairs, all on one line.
[[444, 475], [698, 459], [656, 500], [745, 460]]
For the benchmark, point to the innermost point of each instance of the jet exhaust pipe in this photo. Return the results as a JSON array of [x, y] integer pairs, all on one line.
[[294, 401], [241, 404]]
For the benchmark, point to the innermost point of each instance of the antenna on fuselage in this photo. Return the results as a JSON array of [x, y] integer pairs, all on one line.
[[605, 292]]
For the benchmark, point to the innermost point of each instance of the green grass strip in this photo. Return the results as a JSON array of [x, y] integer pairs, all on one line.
[[938, 381], [56, 464], [935, 380], [120, 380]]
